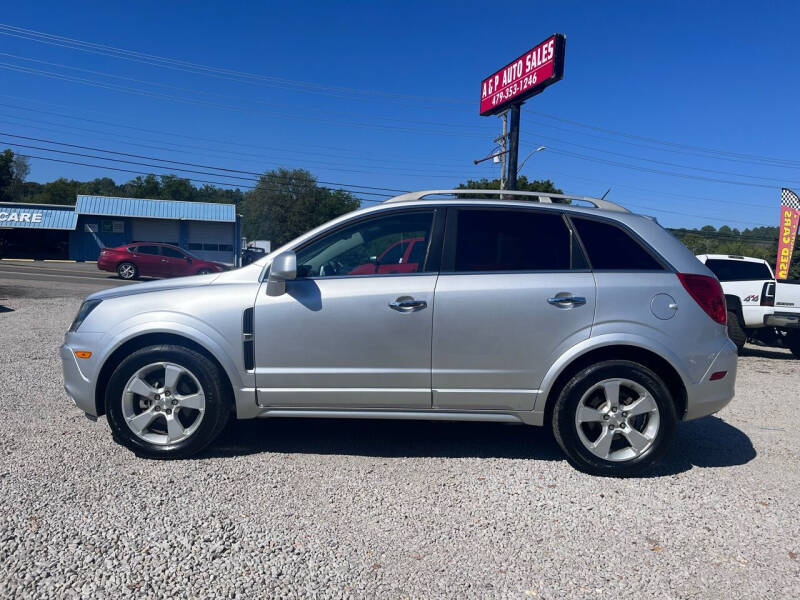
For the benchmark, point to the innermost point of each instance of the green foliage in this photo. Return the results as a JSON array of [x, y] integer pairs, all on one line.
[[523, 185], [287, 203], [14, 188], [13, 171]]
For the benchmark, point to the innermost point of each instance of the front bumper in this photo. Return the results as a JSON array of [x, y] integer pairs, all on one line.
[[79, 388], [708, 397]]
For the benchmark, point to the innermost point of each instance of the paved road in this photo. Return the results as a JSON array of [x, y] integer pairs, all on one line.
[[25, 279]]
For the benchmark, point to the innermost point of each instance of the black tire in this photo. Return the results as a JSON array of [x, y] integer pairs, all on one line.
[[127, 271], [217, 405], [566, 430], [792, 341], [735, 330]]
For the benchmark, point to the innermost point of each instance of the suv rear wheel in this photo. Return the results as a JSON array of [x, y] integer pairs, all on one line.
[[614, 418], [166, 402]]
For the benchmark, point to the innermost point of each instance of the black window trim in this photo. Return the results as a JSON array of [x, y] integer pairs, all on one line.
[[665, 266], [432, 255], [451, 231]]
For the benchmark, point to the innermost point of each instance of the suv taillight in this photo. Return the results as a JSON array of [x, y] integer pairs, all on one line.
[[707, 292], [768, 294]]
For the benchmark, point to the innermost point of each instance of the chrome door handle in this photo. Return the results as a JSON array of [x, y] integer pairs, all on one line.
[[407, 304], [567, 301]]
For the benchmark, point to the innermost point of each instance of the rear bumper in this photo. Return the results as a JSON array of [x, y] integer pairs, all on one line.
[[708, 397], [79, 388], [105, 264], [783, 320]]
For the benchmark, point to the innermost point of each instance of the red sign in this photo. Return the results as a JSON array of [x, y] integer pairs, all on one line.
[[524, 77], [787, 233]]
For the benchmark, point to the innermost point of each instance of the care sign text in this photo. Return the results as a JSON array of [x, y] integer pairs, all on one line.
[[525, 77], [19, 216]]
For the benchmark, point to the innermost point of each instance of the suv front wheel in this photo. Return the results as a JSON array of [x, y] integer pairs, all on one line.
[[614, 418], [166, 401]]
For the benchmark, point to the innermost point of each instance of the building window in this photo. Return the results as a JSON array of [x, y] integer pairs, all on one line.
[[195, 246]]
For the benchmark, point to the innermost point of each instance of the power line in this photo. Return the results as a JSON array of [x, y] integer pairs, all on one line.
[[668, 143], [659, 171], [260, 175], [171, 133], [217, 95], [242, 76], [661, 162], [186, 66], [220, 183], [248, 157], [651, 146], [217, 105]]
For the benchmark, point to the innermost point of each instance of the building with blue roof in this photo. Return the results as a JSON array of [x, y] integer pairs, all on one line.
[[207, 230]]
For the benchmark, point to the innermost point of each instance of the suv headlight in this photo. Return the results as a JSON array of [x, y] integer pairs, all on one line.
[[87, 307]]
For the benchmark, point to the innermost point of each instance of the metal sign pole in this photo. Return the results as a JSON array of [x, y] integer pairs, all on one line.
[[513, 147]]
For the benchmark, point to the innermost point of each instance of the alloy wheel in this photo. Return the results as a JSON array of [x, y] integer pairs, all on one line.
[[617, 419], [163, 403], [127, 271]]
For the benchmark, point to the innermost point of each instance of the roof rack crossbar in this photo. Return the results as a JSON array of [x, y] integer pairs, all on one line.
[[540, 196]]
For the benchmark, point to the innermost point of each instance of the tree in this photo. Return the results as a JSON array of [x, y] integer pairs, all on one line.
[[6, 174], [13, 171], [523, 185], [22, 167], [287, 203]]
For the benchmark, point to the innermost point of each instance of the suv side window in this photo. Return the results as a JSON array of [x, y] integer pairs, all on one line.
[[172, 253], [511, 240], [611, 248], [358, 249]]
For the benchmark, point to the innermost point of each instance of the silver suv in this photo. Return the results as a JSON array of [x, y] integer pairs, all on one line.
[[442, 305]]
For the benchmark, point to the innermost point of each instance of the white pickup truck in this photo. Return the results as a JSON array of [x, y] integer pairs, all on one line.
[[759, 307]]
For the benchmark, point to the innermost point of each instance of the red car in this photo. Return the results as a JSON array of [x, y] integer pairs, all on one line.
[[401, 257], [153, 260]]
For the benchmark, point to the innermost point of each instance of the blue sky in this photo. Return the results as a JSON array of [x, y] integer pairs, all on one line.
[[658, 98]]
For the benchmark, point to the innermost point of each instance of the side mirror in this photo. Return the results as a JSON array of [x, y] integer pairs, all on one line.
[[189, 259], [283, 268]]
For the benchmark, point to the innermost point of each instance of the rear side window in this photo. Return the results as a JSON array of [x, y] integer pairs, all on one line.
[[610, 247], [147, 250], [738, 270], [171, 252], [508, 240]]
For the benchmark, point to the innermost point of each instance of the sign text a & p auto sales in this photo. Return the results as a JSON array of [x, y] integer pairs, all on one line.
[[524, 77]]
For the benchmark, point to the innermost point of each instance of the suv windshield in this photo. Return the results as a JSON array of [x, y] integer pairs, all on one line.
[[738, 270]]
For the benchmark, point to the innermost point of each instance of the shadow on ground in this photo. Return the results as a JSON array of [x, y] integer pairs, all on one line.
[[5, 309], [708, 442], [762, 352]]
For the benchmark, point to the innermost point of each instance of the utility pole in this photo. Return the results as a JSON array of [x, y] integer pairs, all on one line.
[[501, 141], [513, 147]]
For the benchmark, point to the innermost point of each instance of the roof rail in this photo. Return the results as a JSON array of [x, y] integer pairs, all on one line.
[[504, 194]]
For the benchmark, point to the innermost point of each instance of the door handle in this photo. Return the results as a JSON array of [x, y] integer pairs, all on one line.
[[407, 304], [163, 260], [567, 301]]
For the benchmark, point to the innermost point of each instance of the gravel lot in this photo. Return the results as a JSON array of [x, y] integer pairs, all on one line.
[[303, 509]]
